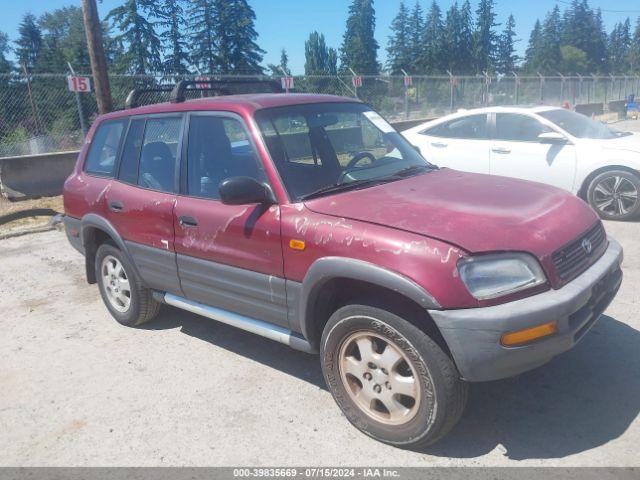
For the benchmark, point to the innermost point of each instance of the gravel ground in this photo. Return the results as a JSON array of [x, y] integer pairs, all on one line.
[[79, 389]]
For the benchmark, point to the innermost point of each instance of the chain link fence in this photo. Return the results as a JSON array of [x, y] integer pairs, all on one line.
[[38, 114]]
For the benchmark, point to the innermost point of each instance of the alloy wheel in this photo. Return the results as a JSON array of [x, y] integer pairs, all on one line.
[[379, 378], [116, 283], [615, 196]]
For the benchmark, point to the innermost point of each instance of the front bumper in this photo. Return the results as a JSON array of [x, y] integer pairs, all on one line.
[[473, 335]]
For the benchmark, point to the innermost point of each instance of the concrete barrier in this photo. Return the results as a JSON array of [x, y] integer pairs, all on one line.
[[43, 175], [33, 176]]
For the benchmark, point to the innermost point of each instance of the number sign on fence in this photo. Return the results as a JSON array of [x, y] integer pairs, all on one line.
[[79, 84]]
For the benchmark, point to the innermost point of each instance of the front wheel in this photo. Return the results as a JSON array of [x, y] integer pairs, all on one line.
[[613, 194], [391, 380]]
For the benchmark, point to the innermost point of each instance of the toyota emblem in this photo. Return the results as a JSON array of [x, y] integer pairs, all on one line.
[[586, 246]]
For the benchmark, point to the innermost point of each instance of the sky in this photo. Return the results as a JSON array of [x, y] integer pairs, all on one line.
[[287, 23]]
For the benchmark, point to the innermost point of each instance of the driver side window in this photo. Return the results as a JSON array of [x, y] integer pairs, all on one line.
[[518, 128]]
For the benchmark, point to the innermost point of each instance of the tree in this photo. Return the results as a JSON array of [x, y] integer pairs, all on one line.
[[451, 39], [29, 43], [466, 45], [484, 36], [506, 58], [398, 49], [534, 50], [176, 58], [619, 47], [573, 59], [359, 50], [5, 65], [137, 33], [64, 40], [238, 52], [431, 56], [549, 59], [415, 32], [634, 51], [282, 67], [202, 26], [319, 60]]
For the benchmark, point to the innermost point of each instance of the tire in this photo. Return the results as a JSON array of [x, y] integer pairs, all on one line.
[[141, 306], [413, 425], [614, 195]]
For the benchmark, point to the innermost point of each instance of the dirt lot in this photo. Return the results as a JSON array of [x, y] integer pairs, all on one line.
[[7, 207], [78, 389]]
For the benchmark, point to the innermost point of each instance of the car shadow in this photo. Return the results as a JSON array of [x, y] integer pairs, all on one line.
[[579, 401], [268, 352]]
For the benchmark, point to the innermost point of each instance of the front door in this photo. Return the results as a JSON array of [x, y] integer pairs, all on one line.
[[517, 152], [141, 201], [229, 256]]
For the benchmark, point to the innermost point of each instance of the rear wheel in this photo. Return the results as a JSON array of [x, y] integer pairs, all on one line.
[[391, 380], [128, 301], [614, 195]]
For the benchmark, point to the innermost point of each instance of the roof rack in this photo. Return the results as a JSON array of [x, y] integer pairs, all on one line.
[[220, 86], [134, 95]]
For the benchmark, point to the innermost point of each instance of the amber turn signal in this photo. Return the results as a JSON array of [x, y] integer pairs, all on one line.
[[527, 335], [296, 244]]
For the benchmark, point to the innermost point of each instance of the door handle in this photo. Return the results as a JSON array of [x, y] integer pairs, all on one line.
[[501, 150], [116, 206], [187, 221], [438, 144]]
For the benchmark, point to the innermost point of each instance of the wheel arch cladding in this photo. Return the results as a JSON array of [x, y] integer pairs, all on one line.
[[328, 270], [95, 230]]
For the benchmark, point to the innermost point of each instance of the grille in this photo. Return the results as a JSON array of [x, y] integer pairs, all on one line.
[[573, 259]]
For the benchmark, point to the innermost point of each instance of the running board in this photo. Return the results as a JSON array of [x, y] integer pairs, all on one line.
[[259, 327]]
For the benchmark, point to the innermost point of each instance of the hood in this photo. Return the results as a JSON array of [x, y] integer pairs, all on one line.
[[479, 213], [629, 143]]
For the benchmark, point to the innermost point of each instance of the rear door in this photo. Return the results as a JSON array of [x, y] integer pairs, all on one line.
[[141, 202], [517, 152], [461, 143], [229, 256]]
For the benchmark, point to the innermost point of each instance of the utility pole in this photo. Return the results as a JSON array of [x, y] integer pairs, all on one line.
[[93, 31]]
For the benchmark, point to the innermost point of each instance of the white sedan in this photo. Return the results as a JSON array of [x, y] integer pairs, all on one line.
[[544, 144]]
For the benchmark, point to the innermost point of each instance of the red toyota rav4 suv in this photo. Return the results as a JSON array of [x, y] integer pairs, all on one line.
[[309, 220]]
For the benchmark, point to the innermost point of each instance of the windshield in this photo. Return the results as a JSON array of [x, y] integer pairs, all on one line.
[[580, 126], [324, 148]]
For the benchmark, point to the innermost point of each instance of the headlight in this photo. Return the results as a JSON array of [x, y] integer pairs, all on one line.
[[496, 275]]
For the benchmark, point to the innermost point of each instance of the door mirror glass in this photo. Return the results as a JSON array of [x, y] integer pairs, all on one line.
[[243, 191], [553, 138]]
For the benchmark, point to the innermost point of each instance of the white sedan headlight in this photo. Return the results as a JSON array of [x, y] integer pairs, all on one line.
[[496, 275]]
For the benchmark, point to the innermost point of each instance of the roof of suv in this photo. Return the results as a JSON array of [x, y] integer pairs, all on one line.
[[244, 103]]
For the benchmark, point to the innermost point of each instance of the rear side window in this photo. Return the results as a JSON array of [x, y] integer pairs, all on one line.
[[473, 127], [157, 169], [101, 159], [131, 152], [218, 148], [518, 128]]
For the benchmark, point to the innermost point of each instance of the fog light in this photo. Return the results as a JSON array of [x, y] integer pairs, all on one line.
[[527, 335]]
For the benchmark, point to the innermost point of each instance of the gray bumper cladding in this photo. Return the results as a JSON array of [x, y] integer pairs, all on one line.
[[473, 335]]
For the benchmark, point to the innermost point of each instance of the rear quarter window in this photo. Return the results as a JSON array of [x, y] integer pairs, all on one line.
[[101, 159]]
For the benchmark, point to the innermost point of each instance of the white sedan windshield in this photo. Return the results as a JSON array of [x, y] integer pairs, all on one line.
[[580, 126]]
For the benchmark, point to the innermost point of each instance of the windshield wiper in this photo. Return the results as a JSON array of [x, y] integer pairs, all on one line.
[[342, 187]]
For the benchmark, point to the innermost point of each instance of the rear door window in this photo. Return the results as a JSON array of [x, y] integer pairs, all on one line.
[[218, 148], [157, 170], [101, 159], [129, 160], [472, 127]]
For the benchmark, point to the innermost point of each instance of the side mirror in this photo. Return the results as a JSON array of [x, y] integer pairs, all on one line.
[[243, 191], [553, 138]]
